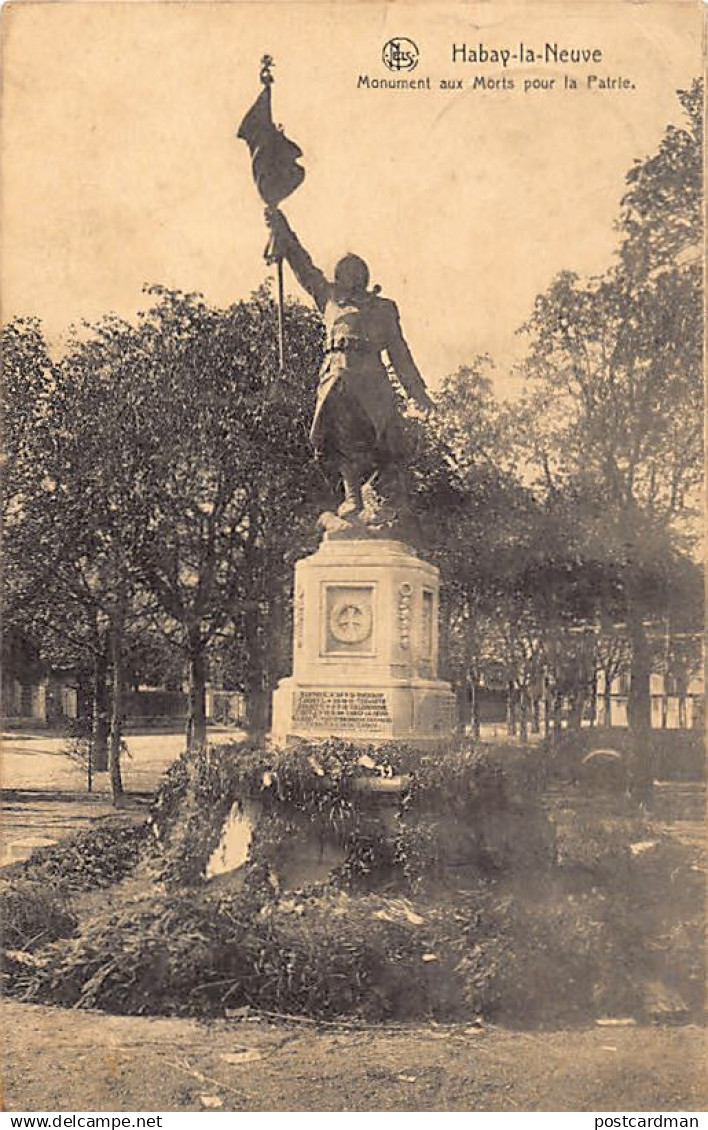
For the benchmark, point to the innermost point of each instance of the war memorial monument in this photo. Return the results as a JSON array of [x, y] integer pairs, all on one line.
[[365, 646]]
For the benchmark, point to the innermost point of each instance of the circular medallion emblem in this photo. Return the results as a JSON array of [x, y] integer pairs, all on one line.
[[400, 54], [350, 622]]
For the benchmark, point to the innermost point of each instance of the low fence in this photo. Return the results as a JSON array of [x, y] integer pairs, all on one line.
[[168, 705], [668, 712], [228, 708], [51, 701], [223, 707], [47, 703]]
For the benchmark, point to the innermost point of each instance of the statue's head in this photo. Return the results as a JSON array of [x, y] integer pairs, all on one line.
[[351, 276]]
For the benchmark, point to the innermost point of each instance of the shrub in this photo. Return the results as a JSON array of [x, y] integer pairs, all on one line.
[[599, 848], [335, 955], [32, 914], [317, 782], [97, 857], [679, 755], [669, 754], [560, 960], [526, 960], [141, 959], [522, 940]]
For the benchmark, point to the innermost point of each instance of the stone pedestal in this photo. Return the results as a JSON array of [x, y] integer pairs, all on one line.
[[365, 648]]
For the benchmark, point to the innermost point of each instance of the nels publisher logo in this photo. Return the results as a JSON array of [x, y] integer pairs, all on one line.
[[400, 54]]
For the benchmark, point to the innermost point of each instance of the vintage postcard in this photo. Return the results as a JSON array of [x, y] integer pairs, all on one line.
[[352, 683]]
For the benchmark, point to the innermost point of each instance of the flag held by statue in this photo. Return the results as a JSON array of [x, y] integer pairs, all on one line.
[[276, 172], [274, 157]]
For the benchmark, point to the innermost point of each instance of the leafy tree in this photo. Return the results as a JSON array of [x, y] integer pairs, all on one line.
[[662, 211], [40, 600], [74, 531], [613, 418], [231, 478], [160, 476], [474, 514], [28, 378]]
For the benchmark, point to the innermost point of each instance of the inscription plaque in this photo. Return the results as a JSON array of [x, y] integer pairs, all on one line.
[[351, 710]]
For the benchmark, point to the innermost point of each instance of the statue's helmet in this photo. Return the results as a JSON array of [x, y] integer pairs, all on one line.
[[351, 273]]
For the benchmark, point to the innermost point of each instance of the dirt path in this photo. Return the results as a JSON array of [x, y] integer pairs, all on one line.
[[44, 794], [58, 1060]]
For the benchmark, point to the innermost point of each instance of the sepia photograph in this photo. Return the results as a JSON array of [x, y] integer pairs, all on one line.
[[352, 559]]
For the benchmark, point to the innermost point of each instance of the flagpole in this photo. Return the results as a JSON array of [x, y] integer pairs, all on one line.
[[276, 173], [266, 77], [281, 318]]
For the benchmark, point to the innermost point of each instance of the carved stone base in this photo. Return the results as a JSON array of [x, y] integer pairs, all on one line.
[[365, 649], [424, 712]]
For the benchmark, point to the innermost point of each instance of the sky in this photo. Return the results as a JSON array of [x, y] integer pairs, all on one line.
[[121, 166]]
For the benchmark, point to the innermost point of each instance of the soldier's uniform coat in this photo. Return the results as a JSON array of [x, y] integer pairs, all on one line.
[[358, 330]]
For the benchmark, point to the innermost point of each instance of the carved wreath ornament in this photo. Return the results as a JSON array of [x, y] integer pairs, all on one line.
[[405, 593], [350, 622]]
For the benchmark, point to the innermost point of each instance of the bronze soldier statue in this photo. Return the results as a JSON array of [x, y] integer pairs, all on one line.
[[357, 424]]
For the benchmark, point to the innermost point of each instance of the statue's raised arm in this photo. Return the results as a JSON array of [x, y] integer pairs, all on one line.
[[287, 245]]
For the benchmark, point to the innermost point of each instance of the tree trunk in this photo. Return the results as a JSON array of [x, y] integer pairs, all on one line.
[[523, 715], [99, 714], [196, 716], [639, 705], [463, 698], [255, 681], [84, 699], [257, 717], [546, 707], [593, 702], [279, 636], [576, 707], [256, 700], [557, 714], [536, 715], [116, 731], [459, 689], [444, 632], [639, 700], [475, 721], [682, 692], [511, 711], [607, 701]]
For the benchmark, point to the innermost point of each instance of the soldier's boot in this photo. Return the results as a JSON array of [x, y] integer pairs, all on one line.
[[353, 502], [392, 487]]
